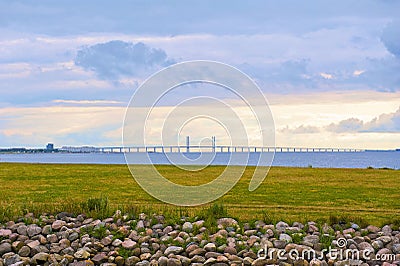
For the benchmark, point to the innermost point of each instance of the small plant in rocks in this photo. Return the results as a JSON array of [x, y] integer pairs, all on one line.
[[125, 253], [117, 235], [220, 241], [326, 240], [133, 224], [86, 230], [100, 232], [297, 238]]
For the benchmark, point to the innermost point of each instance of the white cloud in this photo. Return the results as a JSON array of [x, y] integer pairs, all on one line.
[[389, 123], [326, 75], [357, 73], [86, 102]]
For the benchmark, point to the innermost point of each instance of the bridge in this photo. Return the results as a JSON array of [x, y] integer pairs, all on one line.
[[219, 148], [201, 148]]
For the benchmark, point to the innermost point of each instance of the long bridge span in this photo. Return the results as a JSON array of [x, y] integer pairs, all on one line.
[[201, 148], [219, 148]]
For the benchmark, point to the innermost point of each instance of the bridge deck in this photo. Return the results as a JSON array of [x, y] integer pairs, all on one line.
[[179, 149]]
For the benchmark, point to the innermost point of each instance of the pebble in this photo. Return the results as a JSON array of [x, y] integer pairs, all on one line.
[[173, 250], [187, 227]]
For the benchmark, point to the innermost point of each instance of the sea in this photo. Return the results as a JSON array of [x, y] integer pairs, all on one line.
[[374, 159]]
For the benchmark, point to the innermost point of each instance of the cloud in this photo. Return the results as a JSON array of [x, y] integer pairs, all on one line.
[[357, 73], [383, 123], [391, 38], [303, 129], [114, 59], [86, 102], [326, 75], [348, 125]]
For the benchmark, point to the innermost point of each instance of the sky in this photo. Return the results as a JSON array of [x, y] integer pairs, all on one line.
[[330, 70]]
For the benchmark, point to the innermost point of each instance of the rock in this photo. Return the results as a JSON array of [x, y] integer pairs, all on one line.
[[387, 230], [74, 236], [212, 255], [24, 251], [285, 237], [225, 222], [262, 262], [145, 256], [5, 248], [117, 243], [198, 252], [22, 230], [355, 226], [33, 230], [384, 251], [128, 244], [140, 225], [52, 238], [348, 231], [198, 259], [281, 226], [40, 258], [210, 261], [46, 230], [377, 244], [173, 262], [395, 249], [184, 261], [106, 241], [162, 261], [313, 239], [12, 259], [247, 261], [5, 232], [280, 244], [230, 250], [82, 263], [68, 251], [39, 249], [100, 258], [33, 244], [143, 263], [210, 247], [366, 246], [82, 254], [64, 243], [187, 227], [17, 245], [385, 239], [58, 224], [131, 261], [358, 239], [119, 261], [373, 229], [312, 228], [173, 250]]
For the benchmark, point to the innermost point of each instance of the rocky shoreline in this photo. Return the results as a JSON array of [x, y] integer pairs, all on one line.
[[65, 239]]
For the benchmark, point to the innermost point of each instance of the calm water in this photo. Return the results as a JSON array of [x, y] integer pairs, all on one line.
[[390, 159]]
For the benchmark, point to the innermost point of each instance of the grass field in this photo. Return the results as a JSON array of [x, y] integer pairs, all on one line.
[[291, 194]]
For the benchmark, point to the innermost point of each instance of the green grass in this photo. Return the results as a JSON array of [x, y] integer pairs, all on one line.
[[290, 194]]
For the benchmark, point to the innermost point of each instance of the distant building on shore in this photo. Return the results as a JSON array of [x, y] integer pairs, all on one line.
[[50, 147]]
